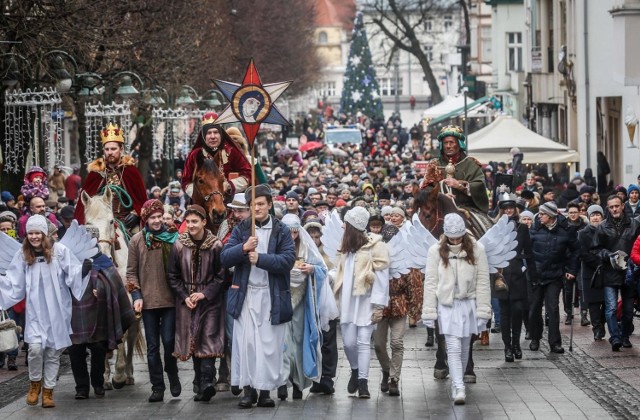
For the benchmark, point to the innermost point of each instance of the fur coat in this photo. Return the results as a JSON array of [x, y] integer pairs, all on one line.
[[373, 256]]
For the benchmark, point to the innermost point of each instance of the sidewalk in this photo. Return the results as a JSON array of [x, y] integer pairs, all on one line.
[[569, 386]]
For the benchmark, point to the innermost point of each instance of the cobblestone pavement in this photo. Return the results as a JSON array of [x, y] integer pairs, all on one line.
[[583, 384]]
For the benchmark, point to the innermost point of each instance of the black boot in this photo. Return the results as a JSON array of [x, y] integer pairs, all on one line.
[[584, 319], [207, 381], [517, 351], [363, 388], [352, 386], [156, 396], [430, 337], [265, 399], [297, 393], [508, 354], [174, 385], [384, 384], [249, 398], [283, 393]]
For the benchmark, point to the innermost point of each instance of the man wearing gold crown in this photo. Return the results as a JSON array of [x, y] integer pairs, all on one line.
[[213, 140], [115, 169], [464, 180]]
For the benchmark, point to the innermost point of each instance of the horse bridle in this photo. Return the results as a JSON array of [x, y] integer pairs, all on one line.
[[208, 196], [112, 243]]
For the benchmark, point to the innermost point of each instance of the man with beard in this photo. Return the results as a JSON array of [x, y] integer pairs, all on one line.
[[118, 172], [213, 140]]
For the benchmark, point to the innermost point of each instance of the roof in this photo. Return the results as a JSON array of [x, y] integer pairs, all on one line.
[[495, 141], [453, 106], [335, 13]]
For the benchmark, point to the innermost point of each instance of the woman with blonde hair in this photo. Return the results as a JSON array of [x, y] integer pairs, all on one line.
[[457, 294]]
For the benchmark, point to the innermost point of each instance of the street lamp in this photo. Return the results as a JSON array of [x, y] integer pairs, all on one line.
[[211, 99], [185, 98]]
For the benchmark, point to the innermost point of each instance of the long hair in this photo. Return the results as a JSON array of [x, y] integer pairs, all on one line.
[[467, 246], [516, 214], [30, 253], [353, 239]]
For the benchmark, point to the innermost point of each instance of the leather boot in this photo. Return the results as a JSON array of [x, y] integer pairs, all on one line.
[[352, 386], [249, 398], [517, 350], [384, 384], [484, 338], [394, 391], [430, 337], [584, 321], [47, 398], [11, 364], [363, 388], [34, 392], [508, 354], [283, 392]]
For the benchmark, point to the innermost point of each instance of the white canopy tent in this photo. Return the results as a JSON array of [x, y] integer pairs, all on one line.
[[495, 141], [448, 104]]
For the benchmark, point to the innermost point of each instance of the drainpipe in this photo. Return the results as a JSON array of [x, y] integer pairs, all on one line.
[[586, 83]]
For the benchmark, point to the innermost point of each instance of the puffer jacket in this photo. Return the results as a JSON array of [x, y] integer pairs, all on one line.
[[555, 251], [609, 239]]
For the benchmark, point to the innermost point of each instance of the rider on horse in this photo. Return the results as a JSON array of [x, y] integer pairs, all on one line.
[[118, 172], [464, 181], [214, 143]]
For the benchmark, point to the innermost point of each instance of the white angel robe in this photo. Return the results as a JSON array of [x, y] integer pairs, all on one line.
[[358, 309], [257, 352], [48, 289]]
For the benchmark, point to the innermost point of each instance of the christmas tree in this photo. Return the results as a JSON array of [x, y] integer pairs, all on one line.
[[360, 91]]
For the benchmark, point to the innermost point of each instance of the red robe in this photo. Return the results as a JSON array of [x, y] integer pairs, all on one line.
[[233, 161], [131, 181]]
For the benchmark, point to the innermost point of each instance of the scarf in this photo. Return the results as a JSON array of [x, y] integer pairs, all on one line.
[[162, 238]]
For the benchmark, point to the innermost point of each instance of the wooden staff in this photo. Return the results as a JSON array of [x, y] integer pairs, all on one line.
[[253, 190]]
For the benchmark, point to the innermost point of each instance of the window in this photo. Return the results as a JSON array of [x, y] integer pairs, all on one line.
[[428, 51], [322, 38], [428, 25], [448, 22], [325, 89], [388, 85], [485, 44], [514, 49]]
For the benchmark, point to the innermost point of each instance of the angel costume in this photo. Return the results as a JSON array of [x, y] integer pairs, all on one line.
[[48, 288]]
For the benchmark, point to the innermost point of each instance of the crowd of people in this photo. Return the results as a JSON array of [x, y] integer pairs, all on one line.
[[257, 304]]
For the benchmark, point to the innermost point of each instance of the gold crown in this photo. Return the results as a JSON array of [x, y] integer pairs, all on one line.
[[112, 133], [209, 118]]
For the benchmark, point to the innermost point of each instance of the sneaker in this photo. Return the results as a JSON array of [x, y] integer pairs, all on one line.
[[352, 386], [615, 346], [394, 390], [363, 388], [626, 343], [459, 396], [384, 383]]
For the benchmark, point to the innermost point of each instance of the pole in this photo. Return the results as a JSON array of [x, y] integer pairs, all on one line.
[[573, 299], [253, 190], [466, 124]]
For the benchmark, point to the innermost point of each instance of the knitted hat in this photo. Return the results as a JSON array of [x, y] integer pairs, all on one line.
[[527, 213], [384, 195], [8, 214], [386, 210], [549, 208], [67, 212], [239, 202], [7, 196], [37, 223], [587, 189], [632, 187], [594, 208], [340, 202], [34, 172], [398, 210], [150, 207], [454, 226], [293, 194], [358, 217], [291, 221], [155, 188]]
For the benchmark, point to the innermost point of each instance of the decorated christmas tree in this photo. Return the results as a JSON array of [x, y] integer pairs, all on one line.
[[360, 91]]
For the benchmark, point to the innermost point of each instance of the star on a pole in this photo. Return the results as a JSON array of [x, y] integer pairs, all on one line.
[[251, 103]]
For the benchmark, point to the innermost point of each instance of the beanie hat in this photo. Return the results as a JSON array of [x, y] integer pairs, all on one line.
[[358, 217], [454, 226], [150, 207], [622, 189], [7, 196], [291, 221], [67, 212], [632, 187], [549, 208], [340, 202], [38, 223], [594, 208], [386, 210], [528, 214], [293, 194], [398, 210]]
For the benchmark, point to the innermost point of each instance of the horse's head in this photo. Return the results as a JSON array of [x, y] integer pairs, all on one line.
[[208, 189], [98, 213], [425, 204]]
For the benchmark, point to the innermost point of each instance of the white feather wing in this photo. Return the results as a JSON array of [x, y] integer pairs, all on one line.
[[499, 244], [419, 240], [8, 249], [332, 232], [79, 242], [400, 261]]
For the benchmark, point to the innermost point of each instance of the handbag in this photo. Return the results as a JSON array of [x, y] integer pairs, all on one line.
[[596, 279], [8, 336]]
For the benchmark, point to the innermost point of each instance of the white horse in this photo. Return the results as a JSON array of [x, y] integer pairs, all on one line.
[[98, 212]]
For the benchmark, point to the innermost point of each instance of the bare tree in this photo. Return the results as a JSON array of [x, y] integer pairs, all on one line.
[[402, 21]]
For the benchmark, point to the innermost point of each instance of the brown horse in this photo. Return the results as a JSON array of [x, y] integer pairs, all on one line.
[[431, 205], [209, 191]]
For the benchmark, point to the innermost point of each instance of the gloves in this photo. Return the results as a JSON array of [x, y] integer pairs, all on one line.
[[86, 267], [430, 323], [482, 324], [131, 221], [376, 316]]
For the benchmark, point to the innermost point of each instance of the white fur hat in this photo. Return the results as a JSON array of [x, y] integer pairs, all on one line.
[[454, 226], [386, 210], [38, 223], [358, 217]]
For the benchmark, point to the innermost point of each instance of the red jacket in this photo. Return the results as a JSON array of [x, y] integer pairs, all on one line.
[[635, 251], [72, 185], [233, 161]]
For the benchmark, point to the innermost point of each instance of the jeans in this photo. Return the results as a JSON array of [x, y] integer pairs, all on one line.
[[611, 309], [78, 358], [160, 323], [511, 313], [357, 347], [44, 363], [495, 307], [397, 327], [549, 294]]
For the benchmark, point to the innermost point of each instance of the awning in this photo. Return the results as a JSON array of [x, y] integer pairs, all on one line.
[[471, 106]]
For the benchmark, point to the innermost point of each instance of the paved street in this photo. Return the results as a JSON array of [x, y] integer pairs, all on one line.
[[575, 385]]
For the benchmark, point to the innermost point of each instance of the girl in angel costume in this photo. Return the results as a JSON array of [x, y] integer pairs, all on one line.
[[457, 294], [312, 311], [46, 273], [361, 287]]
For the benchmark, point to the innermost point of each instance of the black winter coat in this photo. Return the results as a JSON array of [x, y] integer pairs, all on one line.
[[628, 211], [608, 239], [514, 276], [589, 262], [555, 251]]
